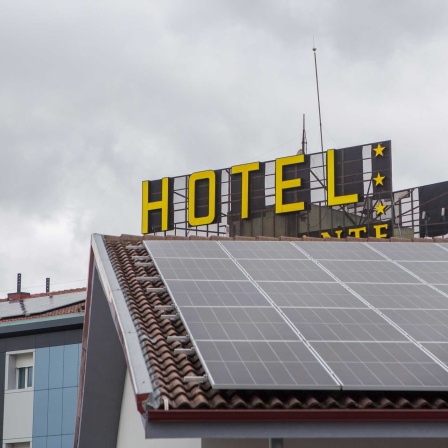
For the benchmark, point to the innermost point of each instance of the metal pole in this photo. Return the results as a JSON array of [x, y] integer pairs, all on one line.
[[275, 443], [320, 118], [304, 142], [318, 101]]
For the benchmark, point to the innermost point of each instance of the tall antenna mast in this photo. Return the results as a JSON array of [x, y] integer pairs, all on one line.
[[318, 101], [320, 119]]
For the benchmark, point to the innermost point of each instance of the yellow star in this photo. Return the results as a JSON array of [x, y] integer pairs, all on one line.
[[378, 179], [379, 150], [380, 208]]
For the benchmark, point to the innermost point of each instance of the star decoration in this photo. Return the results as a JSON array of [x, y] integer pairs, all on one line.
[[380, 208], [379, 179], [379, 150]]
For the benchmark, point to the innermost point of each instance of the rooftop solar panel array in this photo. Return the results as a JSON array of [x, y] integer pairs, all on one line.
[[312, 315], [38, 305]]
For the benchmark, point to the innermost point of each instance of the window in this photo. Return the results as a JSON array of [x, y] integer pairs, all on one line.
[[24, 377], [19, 370]]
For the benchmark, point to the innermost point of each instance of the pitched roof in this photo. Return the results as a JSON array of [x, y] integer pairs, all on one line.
[[72, 308], [167, 369]]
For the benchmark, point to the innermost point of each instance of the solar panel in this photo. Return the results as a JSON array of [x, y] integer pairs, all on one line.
[[199, 269], [317, 324], [422, 325], [396, 366], [316, 295], [284, 270], [267, 250], [186, 249], [337, 251], [47, 303], [410, 296], [268, 315], [411, 252], [216, 293], [259, 365], [433, 272], [444, 289], [378, 272], [10, 309], [236, 323], [438, 349]]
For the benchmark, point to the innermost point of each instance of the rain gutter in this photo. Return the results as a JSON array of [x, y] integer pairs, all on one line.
[[298, 415]]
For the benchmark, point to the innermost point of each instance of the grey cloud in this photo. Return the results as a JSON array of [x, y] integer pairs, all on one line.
[[95, 98]]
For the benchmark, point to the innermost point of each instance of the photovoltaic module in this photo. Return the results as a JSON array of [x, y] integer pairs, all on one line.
[[312, 315]]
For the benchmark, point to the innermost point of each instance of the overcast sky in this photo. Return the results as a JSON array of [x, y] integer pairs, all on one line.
[[97, 96]]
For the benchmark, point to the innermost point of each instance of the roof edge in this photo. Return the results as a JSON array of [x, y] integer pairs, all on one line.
[[126, 330], [59, 317], [12, 328], [298, 415]]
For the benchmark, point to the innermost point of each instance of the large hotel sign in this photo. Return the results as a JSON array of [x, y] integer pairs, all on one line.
[[340, 192]]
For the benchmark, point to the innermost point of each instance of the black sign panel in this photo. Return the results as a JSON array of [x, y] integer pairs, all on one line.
[[257, 202], [349, 171], [202, 204], [302, 193], [155, 196], [382, 170], [433, 200]]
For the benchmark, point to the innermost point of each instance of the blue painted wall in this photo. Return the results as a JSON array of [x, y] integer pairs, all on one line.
[[56, 375]]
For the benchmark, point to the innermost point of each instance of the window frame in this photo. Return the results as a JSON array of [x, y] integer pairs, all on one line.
[[13, 365], [26, 377]]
